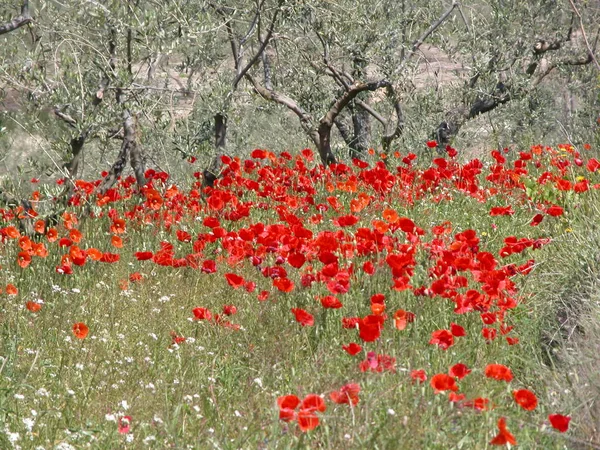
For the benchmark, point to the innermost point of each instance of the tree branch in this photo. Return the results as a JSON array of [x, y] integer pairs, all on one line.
[[23, 19], [587, 44]]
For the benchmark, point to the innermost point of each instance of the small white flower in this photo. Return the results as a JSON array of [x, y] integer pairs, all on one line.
[[29, 423], [76, 291], [110, 418], [42, 392], [258, 381], [391, 412], [19, 396], [125, 405], [237, 413]]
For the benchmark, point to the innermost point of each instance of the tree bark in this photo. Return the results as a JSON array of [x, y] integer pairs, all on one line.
[[211, 174], [23, 19]]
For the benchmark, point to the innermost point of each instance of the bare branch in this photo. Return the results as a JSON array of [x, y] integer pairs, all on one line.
[[23, 19], [587, 43]]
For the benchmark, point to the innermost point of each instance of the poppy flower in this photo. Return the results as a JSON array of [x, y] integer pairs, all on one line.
[[124, 424], [418, 375], [504, 436], [23, 259], [116, 241], [143, 256], [525, 399], [442, 338], [352, 348], [555, 211], [80, 330], [201, 314], [11, 289], [209, 266], [370, 328], [457, 330], [559, 422], [442, 382], [331, 302], [303, 317], [287, 406], [498, 372], [33, 306], [479, 403], [459, 371], [110, 258], [283, 284], [401, 318], [229, 310], [235, 281], [347, 394]]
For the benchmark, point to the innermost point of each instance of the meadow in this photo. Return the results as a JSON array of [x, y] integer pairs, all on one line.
[[407, 302]]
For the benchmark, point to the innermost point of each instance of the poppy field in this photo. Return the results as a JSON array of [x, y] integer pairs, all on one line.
[[397, 303]]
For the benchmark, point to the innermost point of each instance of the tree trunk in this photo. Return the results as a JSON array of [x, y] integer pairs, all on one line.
[[212, 173], [324, 147]]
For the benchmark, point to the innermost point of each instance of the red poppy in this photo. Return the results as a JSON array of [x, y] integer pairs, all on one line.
[[110, 257], [143, 256], [229, 310], [33, 306], [370, 328], [498, 372], [201, 314], [235, 281], [80, 330], [348, 394], [352, 348], [559, 422], [525, 399], [441, 382], [209, 266], [401, 318], [11, 289], [135, 277], [504, 436], [303, 317], [442, 338], [419, 376], [457, 330], [555, 211], [23, 259], [116, 241], [283, 284], [459, 371], [331, 302], [124, 424], [287, 406], [480, 404]]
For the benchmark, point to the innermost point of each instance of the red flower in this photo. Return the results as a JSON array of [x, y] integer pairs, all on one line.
[[229, 310], [80, 330], [401, 318], [143, 256], [559, 422], [124, 424], [498, 372], [459, 371], [235, 281], [201, 314], [370, 328], [352, 348], [347, 394], [555, 211], [331, 302], [287, 405], [480, 404], [457, 330], [418, 375], [537, 219], [303, 318], [504, 436], [209, 266], [442, 338], [283, 284], [525, 399], [501, 211], [431, 144], [442, 382], [33, 306]]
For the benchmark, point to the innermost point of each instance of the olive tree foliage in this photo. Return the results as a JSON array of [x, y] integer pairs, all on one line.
[[151, 83]]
